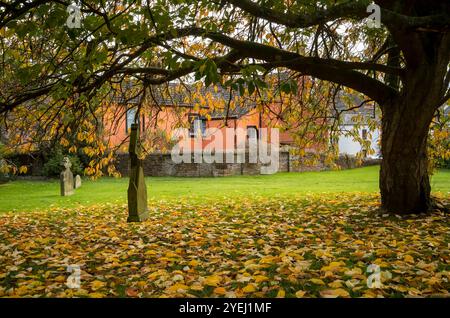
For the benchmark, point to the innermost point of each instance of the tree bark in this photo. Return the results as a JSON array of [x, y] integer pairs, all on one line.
[[404, 182], [404, 176]]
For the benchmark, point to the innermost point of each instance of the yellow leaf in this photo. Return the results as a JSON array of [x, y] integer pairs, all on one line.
[[300, 294], [23, 169], [432, 281], [261, 278], [336, 284], [96, 284], [60, 278], [334, 293], [64, 142], [21, 290], [281, 293], [400, 288], [219, 291], [383, 252], [337, 264], [212, 280], [409, 259], [328, 274], [354, 271], [81, 292], [193, 263], [73, 149], [249, 262], [333, 266], [171, 255], [369, 294], [317, 281], [142, 283], [269, 260], [249, 288], [196, 286], [178, 287]]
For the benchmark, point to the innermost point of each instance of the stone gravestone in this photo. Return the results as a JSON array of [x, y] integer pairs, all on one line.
[[66, 178], [137, 191], [77, 182]]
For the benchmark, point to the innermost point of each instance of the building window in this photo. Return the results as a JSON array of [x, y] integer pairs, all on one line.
[[252, 132], [364, 134], [130, 115], [197, 123]]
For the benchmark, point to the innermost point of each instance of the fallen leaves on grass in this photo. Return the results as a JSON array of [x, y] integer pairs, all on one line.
[[308, 246]]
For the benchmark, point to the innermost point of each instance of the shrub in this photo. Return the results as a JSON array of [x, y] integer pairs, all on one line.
[[444, 163], [3, 165], [52, 167]]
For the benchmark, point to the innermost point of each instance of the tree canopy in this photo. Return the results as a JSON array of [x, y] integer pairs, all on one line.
[[56, 77]]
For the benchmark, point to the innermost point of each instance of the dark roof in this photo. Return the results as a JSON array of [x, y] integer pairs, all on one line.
[[170, 95], [344, 104]]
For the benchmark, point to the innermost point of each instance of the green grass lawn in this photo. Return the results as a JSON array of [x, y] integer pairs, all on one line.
[[36, 195]]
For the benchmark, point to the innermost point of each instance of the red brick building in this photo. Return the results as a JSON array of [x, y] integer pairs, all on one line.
[[166, 114]]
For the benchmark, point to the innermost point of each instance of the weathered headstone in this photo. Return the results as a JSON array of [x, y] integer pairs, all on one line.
[[137, 191], [66, 178], [77, 182]]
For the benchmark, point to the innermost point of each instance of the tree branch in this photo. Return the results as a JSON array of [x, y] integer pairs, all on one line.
[[326, 69], [349, 9]]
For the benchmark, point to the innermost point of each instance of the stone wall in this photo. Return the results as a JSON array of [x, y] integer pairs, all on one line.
[[159, 165]]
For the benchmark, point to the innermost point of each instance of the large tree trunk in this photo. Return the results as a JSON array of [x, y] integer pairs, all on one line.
[[404, 181]]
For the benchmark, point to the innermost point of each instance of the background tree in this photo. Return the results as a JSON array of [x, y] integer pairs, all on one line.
[[402, 66]]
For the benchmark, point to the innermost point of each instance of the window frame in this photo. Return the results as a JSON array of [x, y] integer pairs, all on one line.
[[203, 125], [364, 134], [255, 128], [140, 120]]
